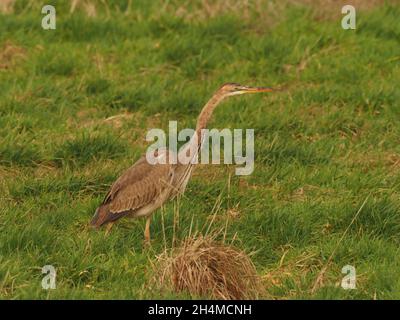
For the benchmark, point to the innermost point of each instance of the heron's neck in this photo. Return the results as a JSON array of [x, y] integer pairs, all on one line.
[[205, 115], [208, 109]]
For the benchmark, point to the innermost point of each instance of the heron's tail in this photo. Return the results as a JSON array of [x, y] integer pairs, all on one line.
[[103, 216]]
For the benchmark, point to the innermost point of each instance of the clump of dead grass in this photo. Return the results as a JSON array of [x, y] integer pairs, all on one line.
[[205, 267]]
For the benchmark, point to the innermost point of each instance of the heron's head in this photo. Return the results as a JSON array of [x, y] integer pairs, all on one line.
[[231, 89]]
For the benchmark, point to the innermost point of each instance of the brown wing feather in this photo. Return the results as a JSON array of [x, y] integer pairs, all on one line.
[[138, 193], [133, 174], [137, 187]]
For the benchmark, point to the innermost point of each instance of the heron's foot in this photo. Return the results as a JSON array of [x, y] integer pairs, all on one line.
[[147, 240], [146, 244], [108, 228]]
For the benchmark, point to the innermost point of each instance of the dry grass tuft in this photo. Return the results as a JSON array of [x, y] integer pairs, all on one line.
[[292, 269], [9, 53], [205, 267]]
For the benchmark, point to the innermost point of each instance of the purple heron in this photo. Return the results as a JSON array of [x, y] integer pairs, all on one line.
[[145, 187]]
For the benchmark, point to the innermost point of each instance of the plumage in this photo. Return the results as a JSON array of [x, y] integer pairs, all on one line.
[[145, 187], [138, 190]]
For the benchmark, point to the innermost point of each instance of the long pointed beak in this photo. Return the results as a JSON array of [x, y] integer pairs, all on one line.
[[257, 89]]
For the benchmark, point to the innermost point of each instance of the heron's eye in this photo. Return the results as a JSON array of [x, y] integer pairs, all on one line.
[[234, 89]]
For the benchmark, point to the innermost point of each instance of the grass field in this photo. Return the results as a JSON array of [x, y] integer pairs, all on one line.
[[76, 103]]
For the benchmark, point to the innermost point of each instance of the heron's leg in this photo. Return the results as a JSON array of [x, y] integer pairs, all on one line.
[[108, 228], [147, 230]]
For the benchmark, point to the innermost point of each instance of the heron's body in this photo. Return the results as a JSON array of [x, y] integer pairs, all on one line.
[[140, 190], [145, 187]]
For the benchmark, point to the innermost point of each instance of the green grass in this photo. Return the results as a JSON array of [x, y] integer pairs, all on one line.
[[326, 143]]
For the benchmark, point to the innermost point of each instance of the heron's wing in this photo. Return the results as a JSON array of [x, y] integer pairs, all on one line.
[[140, 185], [133, 174]]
